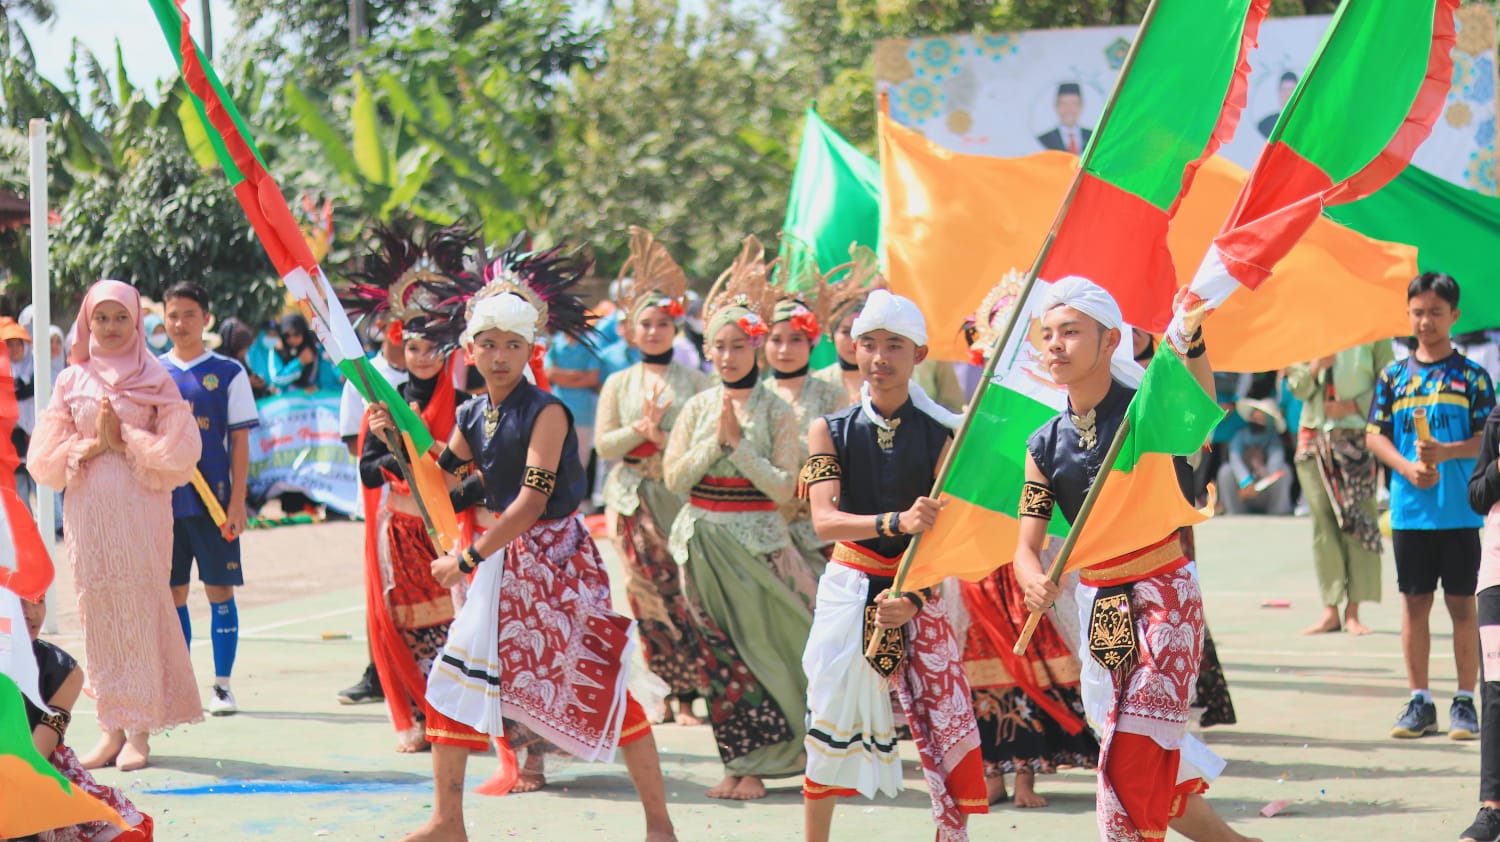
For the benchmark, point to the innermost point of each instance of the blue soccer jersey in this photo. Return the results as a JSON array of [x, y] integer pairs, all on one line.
[[1458, 396], [219, 391]]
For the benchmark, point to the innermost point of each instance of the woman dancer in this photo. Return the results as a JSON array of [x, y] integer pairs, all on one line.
[[796, 326], [1029, 707], [118, 437], [734, 451], [845, 299], [408, 611], [637, 409]]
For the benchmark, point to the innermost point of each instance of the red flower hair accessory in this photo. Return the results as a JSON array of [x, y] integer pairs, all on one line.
[[753, 327], [807, 324], [674, 308]]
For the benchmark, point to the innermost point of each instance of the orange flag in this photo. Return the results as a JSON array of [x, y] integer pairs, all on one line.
[[955, 224]]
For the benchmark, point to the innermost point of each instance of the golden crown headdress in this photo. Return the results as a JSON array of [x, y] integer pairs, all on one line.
[[745, 283], [995, 309], [861, 276], [800, 281], [651, 274]]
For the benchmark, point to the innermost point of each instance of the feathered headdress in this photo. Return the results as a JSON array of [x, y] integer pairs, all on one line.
[[542, 281], [802, 298], [651, 278], [405, 280], [982, 330], [742, 295], [861, 277]]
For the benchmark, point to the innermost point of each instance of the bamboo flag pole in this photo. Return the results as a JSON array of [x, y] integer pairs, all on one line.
[[398, 450], [1015, 314]]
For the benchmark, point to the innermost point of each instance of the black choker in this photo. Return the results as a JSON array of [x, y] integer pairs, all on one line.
[[789, 375], [657, 359], [843, 366], [745, 382]]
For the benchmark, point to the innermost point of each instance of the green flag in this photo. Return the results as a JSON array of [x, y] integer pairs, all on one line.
[[835, 200], [1455, 230]]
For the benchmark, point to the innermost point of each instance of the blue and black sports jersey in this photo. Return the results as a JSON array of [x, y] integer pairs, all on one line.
[[219, 391], [1458, 397]]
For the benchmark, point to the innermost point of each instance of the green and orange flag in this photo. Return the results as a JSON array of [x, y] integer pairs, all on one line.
[[1177, 99], [36, 797], [282, 238], [1368, 99]]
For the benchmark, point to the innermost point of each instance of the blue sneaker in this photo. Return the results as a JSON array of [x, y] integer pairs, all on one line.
[[1418, 720], [1463, 720]]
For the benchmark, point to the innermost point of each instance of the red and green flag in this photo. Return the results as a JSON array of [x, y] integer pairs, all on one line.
[[1174, 106], [1368, 99], [36, 797], [282, 238], [1179, 96]]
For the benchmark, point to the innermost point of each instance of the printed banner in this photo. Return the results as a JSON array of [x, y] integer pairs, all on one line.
[[297, 448], [1014, 93]]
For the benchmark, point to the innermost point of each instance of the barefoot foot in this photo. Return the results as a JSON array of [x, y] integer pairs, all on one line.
[[685, 715], [438, 831], [411, 742], [749, 788], [660, 836], [1355, 627], [1026, 796], [105, 751], [1329, 622], [135, 755], [724, 788], [996, 788]]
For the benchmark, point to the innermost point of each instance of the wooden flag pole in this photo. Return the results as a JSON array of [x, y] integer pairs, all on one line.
[[398, 450], [1060, 563], [41, 340], [1011, 321]]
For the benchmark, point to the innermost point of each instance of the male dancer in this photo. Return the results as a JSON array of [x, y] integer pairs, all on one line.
[[1151, 770], [539, 600], [219, 390], [867, 480]]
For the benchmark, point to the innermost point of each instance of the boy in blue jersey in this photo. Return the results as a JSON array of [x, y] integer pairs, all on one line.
[[1434, 533], [219, 390]]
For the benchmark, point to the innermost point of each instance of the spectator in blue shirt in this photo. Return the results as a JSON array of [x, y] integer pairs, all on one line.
[[575, 372]]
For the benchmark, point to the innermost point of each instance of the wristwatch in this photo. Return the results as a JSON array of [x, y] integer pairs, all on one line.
[[726, 448]]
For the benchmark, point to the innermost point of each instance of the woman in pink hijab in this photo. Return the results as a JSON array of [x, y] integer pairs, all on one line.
[[119, 437]]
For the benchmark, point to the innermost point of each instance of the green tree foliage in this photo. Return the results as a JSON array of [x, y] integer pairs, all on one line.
[[685, 128], [160, 220]]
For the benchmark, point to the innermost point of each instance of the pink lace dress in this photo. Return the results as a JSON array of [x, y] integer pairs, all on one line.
[[118, 522]]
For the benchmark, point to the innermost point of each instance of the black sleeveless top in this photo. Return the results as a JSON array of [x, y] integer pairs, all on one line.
[[53, 668], [875, 481], [501, 456], [1069, 468]]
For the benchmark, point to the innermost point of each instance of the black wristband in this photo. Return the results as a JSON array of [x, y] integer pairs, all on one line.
[[916, 598], [469, 559]]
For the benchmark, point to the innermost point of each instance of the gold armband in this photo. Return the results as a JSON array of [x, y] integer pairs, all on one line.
[[1037, 500], [58, 721], [820, 467], [541, 479]]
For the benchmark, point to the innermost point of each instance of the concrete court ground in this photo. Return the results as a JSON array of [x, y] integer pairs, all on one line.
[[1313, 718]]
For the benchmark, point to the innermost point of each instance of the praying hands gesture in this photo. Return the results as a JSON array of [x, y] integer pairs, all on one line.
[[648, 426], [729, 425], [110, 437]]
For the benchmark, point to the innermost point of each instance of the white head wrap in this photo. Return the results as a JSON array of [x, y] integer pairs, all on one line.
[[1094, 301], [504, 312], [884, 311], [1086, 297]]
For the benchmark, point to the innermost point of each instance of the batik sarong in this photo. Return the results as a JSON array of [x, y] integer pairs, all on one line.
[[538, 643], [851, 741], [1148, 762]]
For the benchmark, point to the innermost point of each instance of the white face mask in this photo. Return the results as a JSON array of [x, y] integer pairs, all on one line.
[[157, 340]]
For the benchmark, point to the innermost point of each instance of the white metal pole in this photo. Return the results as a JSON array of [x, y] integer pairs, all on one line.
[[41, 340]]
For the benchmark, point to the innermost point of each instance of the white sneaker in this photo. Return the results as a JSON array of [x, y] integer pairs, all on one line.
[[221, 701]]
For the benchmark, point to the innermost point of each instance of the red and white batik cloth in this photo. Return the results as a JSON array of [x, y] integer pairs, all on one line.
[[1148, 762], [851, 741], [538, 643], [66, 762]]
